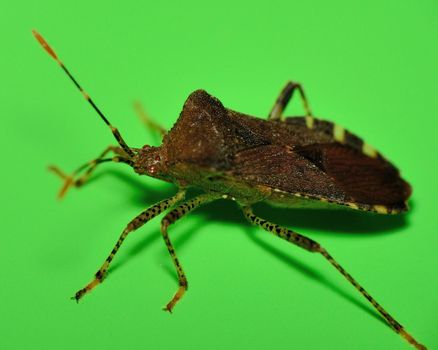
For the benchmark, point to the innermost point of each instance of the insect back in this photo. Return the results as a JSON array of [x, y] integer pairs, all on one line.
[[291, 162]]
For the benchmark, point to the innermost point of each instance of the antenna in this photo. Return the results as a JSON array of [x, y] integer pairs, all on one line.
[[114, 130]]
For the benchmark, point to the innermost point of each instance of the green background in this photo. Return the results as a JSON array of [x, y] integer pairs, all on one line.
[[371, 66]]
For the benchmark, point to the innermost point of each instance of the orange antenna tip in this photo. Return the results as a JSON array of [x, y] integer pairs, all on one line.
[[44, 44]]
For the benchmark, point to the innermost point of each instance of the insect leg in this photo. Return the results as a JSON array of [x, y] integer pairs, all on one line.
[[148, 121], [169, 219], [69, 180], [314, 247], [134, 224], [284, 98]]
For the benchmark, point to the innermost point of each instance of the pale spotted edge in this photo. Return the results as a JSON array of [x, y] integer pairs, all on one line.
[[339, 134], [375, 208]]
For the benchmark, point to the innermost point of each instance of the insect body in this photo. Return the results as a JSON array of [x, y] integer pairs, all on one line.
[[283, 161]]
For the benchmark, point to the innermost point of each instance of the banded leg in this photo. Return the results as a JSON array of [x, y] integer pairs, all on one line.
[[169, 219], [284, 98], [69, 180], [148, 121], [134, 224], [315, 247]]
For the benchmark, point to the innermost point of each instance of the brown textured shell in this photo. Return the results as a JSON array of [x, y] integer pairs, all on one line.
[[251, 159]]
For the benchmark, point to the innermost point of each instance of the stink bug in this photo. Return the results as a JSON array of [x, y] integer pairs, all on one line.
[[285, 162]]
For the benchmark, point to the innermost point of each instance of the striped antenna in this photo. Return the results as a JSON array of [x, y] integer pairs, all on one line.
[[52, 53]]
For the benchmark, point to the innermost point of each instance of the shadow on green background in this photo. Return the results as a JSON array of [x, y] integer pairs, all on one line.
[[369, 66]]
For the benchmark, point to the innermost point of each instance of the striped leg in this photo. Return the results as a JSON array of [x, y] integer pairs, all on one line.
[[284, 98], [169, 219], [148, 121], [314, 247], [134, 224], [69, 180]]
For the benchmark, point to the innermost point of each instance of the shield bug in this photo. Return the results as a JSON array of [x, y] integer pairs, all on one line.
[[289, 162]]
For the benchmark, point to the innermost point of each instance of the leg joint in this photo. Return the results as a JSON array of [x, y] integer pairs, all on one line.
[[183, 282]]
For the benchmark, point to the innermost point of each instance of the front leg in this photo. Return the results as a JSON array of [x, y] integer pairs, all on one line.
[[134, 224], [148, 121], [283, 99], [168, 220], [77, 181]]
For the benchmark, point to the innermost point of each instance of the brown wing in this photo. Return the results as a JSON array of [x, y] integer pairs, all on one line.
[[330, 170], [279, 167], [367, 180]]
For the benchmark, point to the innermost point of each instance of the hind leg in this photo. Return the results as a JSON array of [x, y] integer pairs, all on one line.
[[314, 247]]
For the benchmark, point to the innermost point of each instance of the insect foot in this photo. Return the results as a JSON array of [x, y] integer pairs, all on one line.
[[411, 340], [68, 180], [99, 276], [178, 295]]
